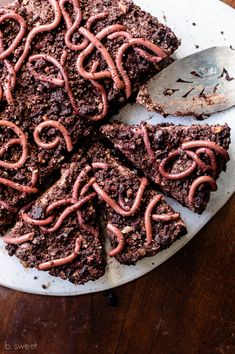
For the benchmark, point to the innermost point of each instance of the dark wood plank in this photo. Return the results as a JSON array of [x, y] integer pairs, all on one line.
[[185, 306]]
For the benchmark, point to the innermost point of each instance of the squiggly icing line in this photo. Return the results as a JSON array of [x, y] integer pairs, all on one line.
[[55, 143], [119, 58], [103, 195], [23, 143], [120, 238], [149, 216], [96, 43], [63, 72], [11, 77], [20, 239], [13, 16], [64, 260], [39, 29], [203, 147]]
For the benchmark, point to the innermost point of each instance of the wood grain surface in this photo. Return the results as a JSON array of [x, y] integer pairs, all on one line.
[[185, 306]]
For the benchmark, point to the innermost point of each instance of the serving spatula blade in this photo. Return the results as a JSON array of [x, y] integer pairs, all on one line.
[[198, 85]]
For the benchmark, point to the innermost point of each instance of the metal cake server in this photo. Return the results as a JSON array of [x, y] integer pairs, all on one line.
[[198, 85]]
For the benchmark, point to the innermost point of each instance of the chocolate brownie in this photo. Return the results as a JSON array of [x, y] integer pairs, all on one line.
[[59, 232], [58, 80], [139, 222], [184, 161]]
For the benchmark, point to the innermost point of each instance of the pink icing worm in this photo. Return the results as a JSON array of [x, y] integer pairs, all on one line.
[[148, 217], [176, 176], [8, 145], [56, 81], [143, 53], [11, 78], [55, 143], [119, 58], [83, 192], [1, 93], [35, 222], [7, 206], [103, 195], [120, 238], [63, 73], [62, 261], [51, 208], [13, 16], [212, 157], [86, 227], [10, 83], [204, 147], [63, 57], [204, 167], [78, 182], [58, 204], [39, 29], [101, 165], [92, 19], [72, 27], [96, 43], [34, 178], [17, 186], [147, 142], [76, 187], [103, 94], [23, 142], [85, 189], [69, 211], [166, 217], [19, 240], [207, 144], [122, 203], [197, 183], [63, 60]]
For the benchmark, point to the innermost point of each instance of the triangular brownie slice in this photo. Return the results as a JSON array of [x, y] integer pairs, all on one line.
[[54, 88], [59, 231], [184, 161], [139, 222]]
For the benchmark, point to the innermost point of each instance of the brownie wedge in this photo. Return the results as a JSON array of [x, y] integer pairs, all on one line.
[[64, 66], [139, 222], [59, 231], [183, 161]]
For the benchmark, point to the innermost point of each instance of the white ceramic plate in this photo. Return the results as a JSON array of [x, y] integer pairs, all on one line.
[[199, 23]]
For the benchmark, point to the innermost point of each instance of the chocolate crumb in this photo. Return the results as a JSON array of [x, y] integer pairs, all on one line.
[[112, 298]]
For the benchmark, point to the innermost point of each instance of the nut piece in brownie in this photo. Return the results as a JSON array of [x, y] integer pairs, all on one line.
[[184, 161], [64, 65], [138, 220], [59, 232]]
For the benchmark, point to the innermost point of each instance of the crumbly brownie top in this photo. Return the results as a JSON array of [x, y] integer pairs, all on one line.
[[65, 65], [183, 161], [59, 231], [139, 222]]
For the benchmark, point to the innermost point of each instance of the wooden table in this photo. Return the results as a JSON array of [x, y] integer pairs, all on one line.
[[185, 306]]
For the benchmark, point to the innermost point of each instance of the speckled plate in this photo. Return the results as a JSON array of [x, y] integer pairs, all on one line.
[[200, 24]]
